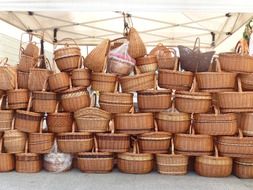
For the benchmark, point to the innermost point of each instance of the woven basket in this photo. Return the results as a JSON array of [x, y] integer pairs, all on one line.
[[236, 146], [246, 125], [59, 122], [134, 123], [236, 101], [75, 142], [23, 79], [173, 121], [103, 82], [6, 117], [193, 102], [27, 121], [26, 63], [216, 81], [147, 63], [8, 75], [81, 76], [95, 162], [172, 164], [213, 166], [58, 82], [233, 62], [97, 58], [37, 77], [243, 168], [154, 142], [136, 47], [215, 124], [14, 140], [175, 79], [247, 81], [31, 49], [28, 162], [18, 98], [68, 57], [7, 161], [40, 142], [192, 144], [138, 82]]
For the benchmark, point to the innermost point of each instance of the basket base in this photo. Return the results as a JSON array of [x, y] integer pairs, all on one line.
[[193, 153]]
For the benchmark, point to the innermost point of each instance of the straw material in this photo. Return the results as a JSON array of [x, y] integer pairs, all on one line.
[[26, 63], [148, 63], [14, 141], [18, 98], [23, 79], [58, 82], [28, 163], [154, 100], [96, 59], [136, 47], [6, 117], [247, 81], [44, 101], [31, 50], [81, 77], [103, 82], [246, 124], [37, 78], [7, 162], [41, 143], [7, 77], [243, 168], [232, 62]]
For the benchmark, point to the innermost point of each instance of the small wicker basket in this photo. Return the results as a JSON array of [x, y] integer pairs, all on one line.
[[6, 117], [81, 76], [7, 161], [147, 63], [246, 124], [7, 75], [243, 168], [58, 82]]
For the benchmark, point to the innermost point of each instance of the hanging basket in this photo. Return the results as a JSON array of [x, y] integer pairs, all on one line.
[[243, 168], [7, 161], [147, 63], [81, 76], [31, 49], [6, 117], [8, 75]]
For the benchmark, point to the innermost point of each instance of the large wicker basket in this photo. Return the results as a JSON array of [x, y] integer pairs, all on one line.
[[103, 82], [6, 117], [7, 75], [26, 63], [147, 63], [58, 82], [18, 98], [7, 161], [243, 168], [37, 77]]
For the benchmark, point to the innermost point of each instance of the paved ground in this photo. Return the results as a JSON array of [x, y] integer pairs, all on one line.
[[75, 180]]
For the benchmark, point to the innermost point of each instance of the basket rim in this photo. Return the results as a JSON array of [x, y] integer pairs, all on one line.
[[193, 135], [66, 48], [194, 94], [61, 114], [176, 72], [24, 112], [164, 134], [168, 113], [74, 89], [121, 94], [155, 92], [206, 74], [136, 114], [102, 74], [135, 156], [74, 133], [232, 54], [44, 92], [138, 75], [29, 154], [17, 90], [95, 153], [112, 134]]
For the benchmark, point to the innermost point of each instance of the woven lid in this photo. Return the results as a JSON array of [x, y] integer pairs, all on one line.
[[136, 157], [147, 59]]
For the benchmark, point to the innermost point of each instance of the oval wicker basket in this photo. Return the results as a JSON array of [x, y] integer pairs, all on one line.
[[37, 77], [81, 76], [233, 62], [6, 117], [243, 168], [58, 82], [172, 164], [246, 124], [26, 63], [18, 98], [7, 161], [147, 63], [23, 79], [31, 49], [236, 146], [75, 142], [135, 162], [236, 101], [103, 82], [247, 81], [192, 144], [215, 124], [95, 162], [8, 75], [134, 123]]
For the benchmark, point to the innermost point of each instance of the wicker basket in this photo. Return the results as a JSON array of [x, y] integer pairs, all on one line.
[[193, 102], [26, 63], [7, 161], [147, 63], [215, 124], [174, 79], [172, 164], [192, 144], [154, 142], [236, 146], [247, 81], [213, 166], [236, 101], [8, 75], [95, 162], [103, 82], [243, 168], [6, 117], [246, 125], [134, 123], [75, 142], [58, 82], [173, 121], [68, 57], [97, 58], [23, 79], [27, 121], [37, 77], [138, 82], [81, 76], [216, 81], [59, 122], [40, 142], [136, 47], [28, 162], [233, 62], [31, 49]]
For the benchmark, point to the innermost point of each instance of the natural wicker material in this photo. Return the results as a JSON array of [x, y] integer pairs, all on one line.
[[59, 122], [28, 162], [175, 79], [247, 81], [97, 58], [243, 168], [136, 47], [58, 82], [6, 117], [215, 124], [18, 98], [236, 101], [236, 146], [26, 63], [75, 142], [40, 142], [31, 49], [246, 124], [27, 121], [7, 75], [137, 82], [213, 166], [81, 77], [172, 164], [134, 123], [7, 161], [95, 162], [23, 79], [216, 81], [233, 62], [173, 121], [37, 77], [193, 102], [154, 142], [192, 144], [147, 63], [103, 82]]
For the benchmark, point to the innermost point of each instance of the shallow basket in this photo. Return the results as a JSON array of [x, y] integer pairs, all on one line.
[[28, 163], [37, 78], [44, 101], [103, 82], [147, 63], [81, 77], [18, 98], [243, 168], [246, 124], [58, 82]]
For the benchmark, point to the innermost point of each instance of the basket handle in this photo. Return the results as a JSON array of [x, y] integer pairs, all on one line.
[[56, 107], [240, 133], [218, 68], [1, 144], [95, 144], [1, 101], [196, 44], [47, 62], [29, 103], [73, 127], [70, 83], [13, 123], [41, 124], [216, 151], [4, 61], [116, 86], [67, 39], [172, 146], [156, 126], [112, 126], [81, 62], [216, 110], [45, 85], [173, 106], [175, 65], [136, 70], [239, 83], [121, 38], [93, 100], [132, 110], [26, 146], [194, 84]]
